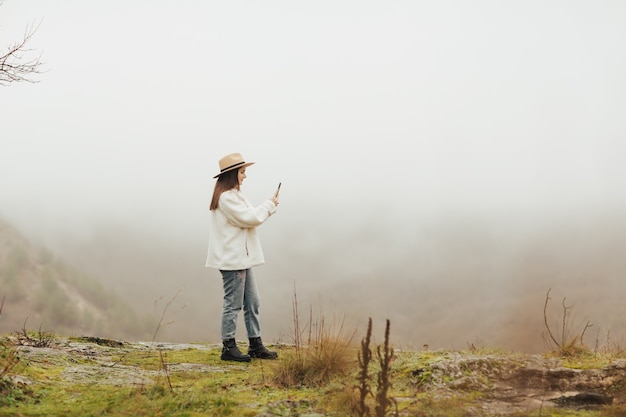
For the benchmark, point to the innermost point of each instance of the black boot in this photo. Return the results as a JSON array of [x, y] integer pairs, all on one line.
[[230, 352], [257, 350]]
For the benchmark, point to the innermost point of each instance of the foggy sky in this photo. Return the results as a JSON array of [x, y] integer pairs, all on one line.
[[388, 123]]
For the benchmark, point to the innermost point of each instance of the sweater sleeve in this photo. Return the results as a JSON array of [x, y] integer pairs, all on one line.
[[241, 213]]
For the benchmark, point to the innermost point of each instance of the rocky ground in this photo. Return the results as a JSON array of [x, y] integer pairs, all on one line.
[[506, 383], [516, 383]]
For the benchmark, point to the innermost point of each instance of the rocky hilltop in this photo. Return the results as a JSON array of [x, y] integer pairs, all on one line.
[[88, 375]]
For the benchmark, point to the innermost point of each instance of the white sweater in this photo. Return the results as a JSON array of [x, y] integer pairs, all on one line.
[[233, 240]]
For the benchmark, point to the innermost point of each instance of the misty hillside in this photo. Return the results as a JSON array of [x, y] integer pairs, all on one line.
[[43, 293], [443, 282]]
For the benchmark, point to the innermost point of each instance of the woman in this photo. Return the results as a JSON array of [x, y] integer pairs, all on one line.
[[234, 248]]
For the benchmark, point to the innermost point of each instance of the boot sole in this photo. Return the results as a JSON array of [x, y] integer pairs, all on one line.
[[235, 359], [252, 355]]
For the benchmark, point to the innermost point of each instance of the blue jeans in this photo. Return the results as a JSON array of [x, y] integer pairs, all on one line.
[[240, 291]]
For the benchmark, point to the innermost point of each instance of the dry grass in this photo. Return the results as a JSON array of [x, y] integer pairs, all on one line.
[[315, 365], [327, 352]]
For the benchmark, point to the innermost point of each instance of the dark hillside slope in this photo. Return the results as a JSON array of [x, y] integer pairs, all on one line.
[[43, 293]]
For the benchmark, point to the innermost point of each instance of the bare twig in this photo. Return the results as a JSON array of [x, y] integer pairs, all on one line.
[[570, 343], [545, 319], [582, 335], [166, 370], [15, 66], [564, 322], [164, 321]]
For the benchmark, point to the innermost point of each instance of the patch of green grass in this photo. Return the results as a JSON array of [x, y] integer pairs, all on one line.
[[586, 360], [155, 400], [458, 406]]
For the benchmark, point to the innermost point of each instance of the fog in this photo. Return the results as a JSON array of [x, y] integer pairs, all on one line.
[[443, 164]]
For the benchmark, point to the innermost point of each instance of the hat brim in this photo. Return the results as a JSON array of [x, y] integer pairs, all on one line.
[[247, 164]]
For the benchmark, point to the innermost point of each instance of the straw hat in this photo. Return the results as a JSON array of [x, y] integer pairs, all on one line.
[[232, 161]]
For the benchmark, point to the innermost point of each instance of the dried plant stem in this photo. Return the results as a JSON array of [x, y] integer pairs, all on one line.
[[545, 320], [385, 357], [164, 321], [564, 322], [166, 370], [569, 343], [363, 387], [297, 335]]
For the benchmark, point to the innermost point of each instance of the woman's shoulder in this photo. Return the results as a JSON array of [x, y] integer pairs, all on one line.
[[232, 195], [233, 192]]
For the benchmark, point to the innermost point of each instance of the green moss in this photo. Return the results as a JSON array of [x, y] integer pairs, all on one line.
[[195, 382]]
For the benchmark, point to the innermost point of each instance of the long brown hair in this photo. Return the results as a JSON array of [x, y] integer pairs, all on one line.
[[225, 182]]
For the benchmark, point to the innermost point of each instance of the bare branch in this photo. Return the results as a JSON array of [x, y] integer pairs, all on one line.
[[582, 335], [15, 63], [564, 322], [545, 319]]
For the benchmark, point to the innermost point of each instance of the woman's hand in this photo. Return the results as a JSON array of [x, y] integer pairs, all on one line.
[[274, 198]]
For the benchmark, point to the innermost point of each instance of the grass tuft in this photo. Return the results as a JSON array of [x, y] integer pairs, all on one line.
[[328, 353], [315, 365]]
